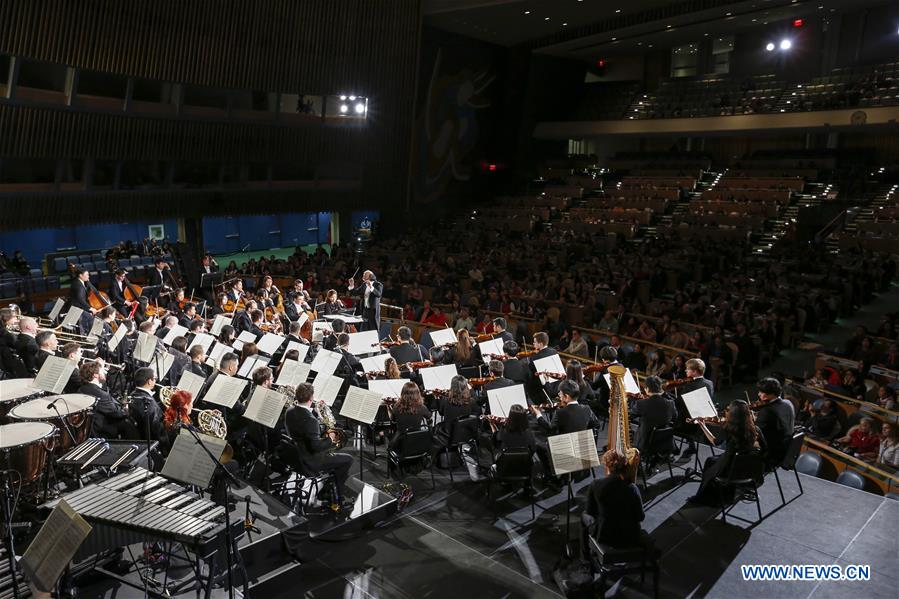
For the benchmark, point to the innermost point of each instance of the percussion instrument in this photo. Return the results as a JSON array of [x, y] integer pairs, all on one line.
[[14, 392], [75, 408], [24, 447]]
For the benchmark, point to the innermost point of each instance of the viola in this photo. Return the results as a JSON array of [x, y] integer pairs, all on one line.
[[481, 381], [599, 367], [422, 364]]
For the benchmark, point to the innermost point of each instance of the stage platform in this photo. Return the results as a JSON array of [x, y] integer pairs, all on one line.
[[449, 543]]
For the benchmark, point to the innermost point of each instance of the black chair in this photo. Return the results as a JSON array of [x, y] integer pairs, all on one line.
[[809, 463], [607, 560], [296, 492], [411, 447], [513, 466], [851, 479], [789, 463], [462, 431], [659, 446], [744, 475]]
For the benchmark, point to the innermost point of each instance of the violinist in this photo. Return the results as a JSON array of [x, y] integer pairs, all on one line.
[[574, 371], [457, 404], [274, 294], [570, 416], [541, 345], [695, 372], [350, 368], [236, 292], [497, 369], [329, 338], [243, 321], [515, 433], [301, 293], [741, 435], [256, 319], [513, 368], [227, 335], [407, 350], [117, 293], [462, 354], [654, 411], [194, 328], [296, 307], [409, 413], [221, 300], [188, 315], [775, 418], [332, 304], [499, 330], [198, 361]]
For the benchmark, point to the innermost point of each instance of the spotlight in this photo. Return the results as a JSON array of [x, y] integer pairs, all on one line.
[[785, 44], [770, 47], [352, 98], [360, 108], [342, 98], [344, 108]]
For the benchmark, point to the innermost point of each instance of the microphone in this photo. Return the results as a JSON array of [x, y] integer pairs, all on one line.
[[53, 403]]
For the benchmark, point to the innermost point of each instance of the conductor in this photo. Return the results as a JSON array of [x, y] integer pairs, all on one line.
[[369, 296]]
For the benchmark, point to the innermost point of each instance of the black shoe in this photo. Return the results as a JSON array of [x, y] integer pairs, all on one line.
[[691, 449]]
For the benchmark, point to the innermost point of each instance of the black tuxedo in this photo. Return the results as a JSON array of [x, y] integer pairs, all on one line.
[[156, 278], [78, 296], [776, 421], [505, 336], [141, 403], [516, 370], [27, 349], [371, 315], [683, 429], [617, 508], [499, 383], [110, 420], [571, 419], [198, 369], [313, 449], [40, 358], [544, 353], [407, 352], [655, 411], [242, 322], [117, 297], [293, 312]]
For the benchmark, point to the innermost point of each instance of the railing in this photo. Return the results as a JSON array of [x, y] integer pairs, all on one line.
[[877, 479], [830, 228], [848, 405]]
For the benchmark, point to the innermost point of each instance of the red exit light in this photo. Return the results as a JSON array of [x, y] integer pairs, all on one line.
[[491, 167], [797, 22], [600, 63]]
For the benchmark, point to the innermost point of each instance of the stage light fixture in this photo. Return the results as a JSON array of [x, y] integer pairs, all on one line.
[[344, 108], [360, 108], [342, 98], [785, 44], [769, 47]]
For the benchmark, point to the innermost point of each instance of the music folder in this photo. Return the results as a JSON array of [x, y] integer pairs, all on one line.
[[270, 343], [361, 405], [388, 387], [573, 452], [366, 342], [57, 308], [549, 364], [117, 338], [326, 362], [96, 329], [493, 346], [225, 390], [302, 350], [189, 463], [217, 324], [247, 337], [293, 373], [442, 337], [502, 399], [438, 377], [72, 316], [699, 404], [54, 374], [192, 383], [145, 348], [265, 407], [162, 364], [204, 340], [175, 331], [54, 546]]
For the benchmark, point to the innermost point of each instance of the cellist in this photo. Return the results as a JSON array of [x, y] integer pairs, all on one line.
[[117, 294]]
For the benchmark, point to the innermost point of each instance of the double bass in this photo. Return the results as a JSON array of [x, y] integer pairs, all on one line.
[[619, 423]]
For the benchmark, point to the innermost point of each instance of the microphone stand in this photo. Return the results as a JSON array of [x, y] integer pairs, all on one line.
[[224, 480], [65, 423], [7, 513]]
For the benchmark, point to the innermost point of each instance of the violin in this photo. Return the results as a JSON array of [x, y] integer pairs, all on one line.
[[483, 337], [599, 367], [375, 373], [526, 354], [707, 420], [758, 405], [422, 364], [675, 383], [553, 375], [500, 357], [481, 381], [387, 343]]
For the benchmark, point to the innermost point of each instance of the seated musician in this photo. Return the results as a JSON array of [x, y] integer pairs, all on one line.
[[149, 327], [462, 354], [305, 428], [221, 300], [296, 307], [775, 419], [26, 344], [741, 435], [167, 324], [110, 419], [541, 345], [107, 315], [391, 370], [145, 411], [497, 370], [513, 368], [47, 344], [499, 330], [236, 292], [609, 355], [194, 328], [257, 317], [72, 351], [654, 411], [332, 304], [117, 293], [178, 349], [615, 508], [407, 350], [298, 289], [350, 368], [515, 432], [188, 314], [261, 436], [457, 403], [409, 412], [180, 405], [198, 361], [274, 294], [242, 319], [227, 335], [329, 339], [247, 350], [570, 416], [290, 354], [574, 371], [228, 366], [695, 369]]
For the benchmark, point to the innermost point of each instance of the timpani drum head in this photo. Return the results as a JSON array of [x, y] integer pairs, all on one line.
[[23, 433], [36, 409], [17, 389]]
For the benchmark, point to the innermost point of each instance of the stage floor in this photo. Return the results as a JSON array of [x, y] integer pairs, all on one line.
[[448, 543]]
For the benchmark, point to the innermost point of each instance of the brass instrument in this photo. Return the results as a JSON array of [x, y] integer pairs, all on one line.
[[331, 424], [619, 424], [290, 392]]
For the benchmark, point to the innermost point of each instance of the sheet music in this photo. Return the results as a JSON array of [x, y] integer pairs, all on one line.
[[57, 308], [175, 331], [145, 348], [302, 318], [293, 373], [189, 463], [699, 404], [269, 343], [218, 350], [438, 377], [344, 317], [54, 374], [442, 337], [116, 338], [374, 363], [192, 383], [366, 342], [494, 346], [237, 345], [502, 399], [361, 405], [247, 337], [549, 364], [302, 350], [72, 316], [96, 328], [204, 340], [388, 388], [319, 329], [225, 390], [326, 387], [162, 364], [54, 546], [630, 384], [573, 452], [265, 407], [217, 324], [251, 364], [326, 362]]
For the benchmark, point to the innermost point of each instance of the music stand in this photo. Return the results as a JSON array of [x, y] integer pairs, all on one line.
[[570, 453], [362, 406]]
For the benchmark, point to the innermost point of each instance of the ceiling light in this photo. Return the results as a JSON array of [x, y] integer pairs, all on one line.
[[344, 108], [564, 24], [360, 108], [546, 18], [728, 14], [343, 97], [617, 10], [769, 46], [785, 44], [527, 12]]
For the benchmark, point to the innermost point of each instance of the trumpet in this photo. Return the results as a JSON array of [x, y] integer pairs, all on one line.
[[102, 363]]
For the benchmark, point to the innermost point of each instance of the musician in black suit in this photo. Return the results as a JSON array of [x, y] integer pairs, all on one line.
[[615, 508], [208, 265], [499, 330], [305, 428], [78, 292], [329, 339], [541, 344], [167, 325], [570, 417], [157, 275], [513, 368], [497, 370], [775, 419], [110, 419], [197, 361], [296, 307], [26, 344], [350, 367], [117, 293], [47, 344], [145, 411], [256, 319], [407, 350], [369, 298], [695, 371], [188, 315], [654, 411]]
